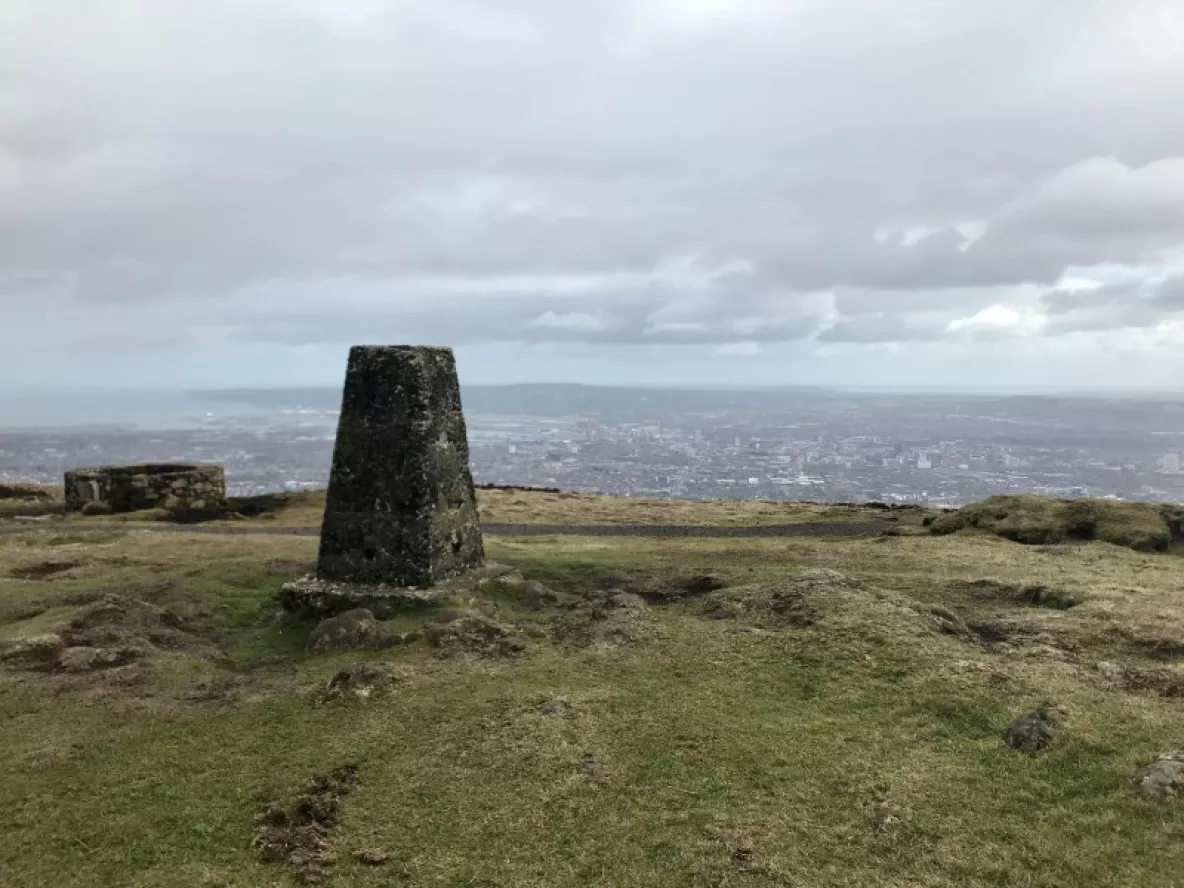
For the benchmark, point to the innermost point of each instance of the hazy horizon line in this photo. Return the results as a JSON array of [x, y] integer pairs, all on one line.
[[1032, 390]]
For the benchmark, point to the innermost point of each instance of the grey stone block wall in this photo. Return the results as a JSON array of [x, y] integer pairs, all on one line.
[[400, 508], [148, 486]]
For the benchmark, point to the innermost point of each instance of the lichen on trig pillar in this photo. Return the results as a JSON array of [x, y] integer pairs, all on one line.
[[400, 508]]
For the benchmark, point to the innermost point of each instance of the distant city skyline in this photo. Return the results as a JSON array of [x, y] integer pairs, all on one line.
[[777, 445]]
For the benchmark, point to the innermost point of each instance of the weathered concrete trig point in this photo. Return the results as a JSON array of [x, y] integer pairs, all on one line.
[[400, 509]]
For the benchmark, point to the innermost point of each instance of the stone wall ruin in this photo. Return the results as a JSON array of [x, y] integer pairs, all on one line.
[[173, 486]]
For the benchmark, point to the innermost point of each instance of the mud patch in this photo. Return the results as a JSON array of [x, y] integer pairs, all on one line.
[[42, 570], [296, 834], [992, 634], [667, 590], [1022, 594], [1163, 682], [122, 620], [1155, 645]]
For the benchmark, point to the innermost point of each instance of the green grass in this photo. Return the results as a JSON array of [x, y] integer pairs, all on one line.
[[864, 750]]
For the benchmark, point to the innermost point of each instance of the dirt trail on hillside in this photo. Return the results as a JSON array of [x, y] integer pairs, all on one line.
[[817, 529]]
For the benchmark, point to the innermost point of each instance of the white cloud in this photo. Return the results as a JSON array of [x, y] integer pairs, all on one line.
[[572, 320], [1000, 319]]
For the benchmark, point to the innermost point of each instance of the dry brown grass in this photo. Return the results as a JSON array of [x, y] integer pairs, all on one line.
[[530, 507]]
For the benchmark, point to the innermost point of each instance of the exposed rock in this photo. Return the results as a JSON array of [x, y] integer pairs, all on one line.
[[535, 595], [353, 629], [1033, 733], [315, 597], [361, 680], [400, 509], [94, 509], [312, 596], [473, 633], [508, 578], [1162, 780]]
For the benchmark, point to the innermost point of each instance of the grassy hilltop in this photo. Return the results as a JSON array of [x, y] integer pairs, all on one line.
[[648, 712]]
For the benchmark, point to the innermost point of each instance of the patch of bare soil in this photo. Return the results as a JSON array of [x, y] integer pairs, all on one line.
[[112, 630], [1158, 643], [42, 570], [1022, 594], [609, 617], [1162, 681], [666, 589], [796, 600], [297, 833]]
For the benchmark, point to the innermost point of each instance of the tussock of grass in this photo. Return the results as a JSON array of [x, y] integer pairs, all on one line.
[[1037, 520]]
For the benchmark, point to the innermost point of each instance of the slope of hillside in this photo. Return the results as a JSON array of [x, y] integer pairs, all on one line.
[[799, 711]]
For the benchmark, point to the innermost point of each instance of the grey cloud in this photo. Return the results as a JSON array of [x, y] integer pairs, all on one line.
[[1111, 306], [205, 154]]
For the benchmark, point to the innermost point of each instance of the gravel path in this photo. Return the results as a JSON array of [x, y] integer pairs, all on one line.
[[819, 529]]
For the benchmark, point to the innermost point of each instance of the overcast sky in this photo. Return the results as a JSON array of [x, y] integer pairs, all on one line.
[[890, 192]]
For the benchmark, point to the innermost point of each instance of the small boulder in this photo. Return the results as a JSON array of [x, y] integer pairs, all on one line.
[[361, 680], [1033, 733], [353, 629], [95, 508], [474, 633], [537, 596], [1162, 780]]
